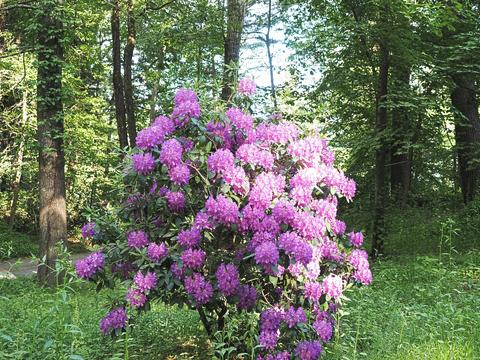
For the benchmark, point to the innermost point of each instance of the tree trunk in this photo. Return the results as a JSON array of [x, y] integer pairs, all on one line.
[[53, 215], [235, 18], [268, 42], [401, 154], [128, 77], [19, 161], [153, 101], [380, 155], [467, 134], [118, 97]]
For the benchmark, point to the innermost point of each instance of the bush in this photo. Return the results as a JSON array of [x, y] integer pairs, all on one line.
[[231, 217]]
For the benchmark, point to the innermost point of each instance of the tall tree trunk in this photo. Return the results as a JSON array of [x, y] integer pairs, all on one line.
[[268, 43], [128, 77], [401, 154], [153, 101], [118, 97], [467, 134], [380, 155], [53, 214], [19, 161], [235, 18]]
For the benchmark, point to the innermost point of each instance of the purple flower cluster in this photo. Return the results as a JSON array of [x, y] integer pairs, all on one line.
[[89, 230], [136, 298], [137, 239], [284, 355], [150, 137], [165, 124], [220, 161], [193, 258], [189, 238], [359, 261], [186, 107], [88, 266], [114, 320], [247, 297], [199, 288], [295, 247], [266, 253], [237, 179], [171, 153], [270, 321], [355, 238], [179, 174], [145, 283], [313, 291], [267, 133], [246, 87], [223, 210], [295, 316], [255, 156], [239, 119], [227, 279], [324, 329], [157, 252], [308, 350], [333, 286], [143, 164], [175, 200]]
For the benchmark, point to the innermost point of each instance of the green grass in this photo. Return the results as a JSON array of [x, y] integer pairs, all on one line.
[[15, 244], [36, 323], [417, 308]]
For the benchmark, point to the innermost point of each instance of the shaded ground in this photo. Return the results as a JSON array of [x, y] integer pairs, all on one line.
[[418, 308], [13, 268]]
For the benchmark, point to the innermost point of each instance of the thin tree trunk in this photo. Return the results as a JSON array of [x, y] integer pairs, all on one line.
[[153, 101], [118, 97], [19, 161], [235, 19], [128, 77], [380, 156], [400, 160], [53, 214], [269, 54], [467, 134]]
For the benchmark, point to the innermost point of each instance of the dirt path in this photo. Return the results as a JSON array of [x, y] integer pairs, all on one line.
[[13, 268]]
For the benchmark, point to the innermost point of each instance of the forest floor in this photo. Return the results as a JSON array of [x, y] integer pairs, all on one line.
[[418, 307], [13, 268]]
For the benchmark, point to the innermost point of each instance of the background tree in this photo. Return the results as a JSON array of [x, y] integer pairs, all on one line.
[[53, 215]]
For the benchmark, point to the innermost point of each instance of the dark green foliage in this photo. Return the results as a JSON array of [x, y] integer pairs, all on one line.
[[14, 244]]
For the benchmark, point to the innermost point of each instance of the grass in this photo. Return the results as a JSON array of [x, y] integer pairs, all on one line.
[[424, 303], [417, 308], [14, 244]]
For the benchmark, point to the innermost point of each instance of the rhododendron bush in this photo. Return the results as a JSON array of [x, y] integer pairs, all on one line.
[[228, 215]]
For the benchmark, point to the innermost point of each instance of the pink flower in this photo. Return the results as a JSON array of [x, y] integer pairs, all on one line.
[[246, 87]]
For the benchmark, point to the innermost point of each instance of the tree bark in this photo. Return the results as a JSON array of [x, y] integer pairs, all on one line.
[[235, 19], [128, 77], [467, 134], [380, 155], [50, 131], [268, 42], [19, 161], [118, 96], [153, 101], [400, 161]]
